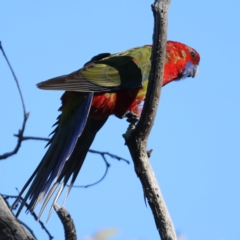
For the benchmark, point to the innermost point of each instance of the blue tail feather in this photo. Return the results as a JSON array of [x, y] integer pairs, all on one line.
[[57, 155], [78, 123]]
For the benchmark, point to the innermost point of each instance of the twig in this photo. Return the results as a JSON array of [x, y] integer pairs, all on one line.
[[104, 175], [137, 141], [5, 196], [67, 221], [103, 154], [110, 155], [25, 114], [24, 138], [32, 138]]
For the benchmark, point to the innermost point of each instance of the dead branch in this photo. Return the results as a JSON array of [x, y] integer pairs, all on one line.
[[137, 140], [6, 197], [10, 228], [67, 221], [25, 114], [102, 154], [24, 138]]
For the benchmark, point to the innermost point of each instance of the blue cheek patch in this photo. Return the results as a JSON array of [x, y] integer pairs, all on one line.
[[190, 70]]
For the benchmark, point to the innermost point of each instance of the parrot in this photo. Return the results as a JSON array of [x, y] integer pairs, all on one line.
[[108, 84]]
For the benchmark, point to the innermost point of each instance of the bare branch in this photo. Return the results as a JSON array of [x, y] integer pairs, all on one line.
[[104, 175], [67, 221], [32, 138], [137, 141], [103, 155], [5, 196], [24, 138], [25, 114], [110, 155], [10, 227]]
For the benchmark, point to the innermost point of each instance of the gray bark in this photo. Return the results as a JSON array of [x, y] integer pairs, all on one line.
[[67, 222], [10, 228], [137, 141]]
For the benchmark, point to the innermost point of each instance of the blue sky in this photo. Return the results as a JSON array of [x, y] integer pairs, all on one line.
[[196, 135]]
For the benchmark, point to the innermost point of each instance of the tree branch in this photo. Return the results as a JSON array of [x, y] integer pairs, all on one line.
[[102, 154], [67, 221], [137, 141], [6, 197], [25, 114], [10, 228]]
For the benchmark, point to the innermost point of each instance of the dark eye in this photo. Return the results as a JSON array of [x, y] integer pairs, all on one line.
[[193, 54]]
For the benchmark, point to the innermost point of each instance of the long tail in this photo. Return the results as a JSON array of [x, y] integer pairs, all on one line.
[[64, 158]]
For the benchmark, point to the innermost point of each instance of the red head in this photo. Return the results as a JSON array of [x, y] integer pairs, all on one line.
[[181, 61]]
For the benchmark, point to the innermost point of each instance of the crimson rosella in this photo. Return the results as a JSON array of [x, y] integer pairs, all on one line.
[[107, 84]]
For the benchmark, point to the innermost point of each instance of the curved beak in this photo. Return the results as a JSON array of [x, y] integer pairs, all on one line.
[[190, 70]]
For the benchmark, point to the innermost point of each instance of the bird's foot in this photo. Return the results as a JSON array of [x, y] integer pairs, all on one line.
[[132, 118]]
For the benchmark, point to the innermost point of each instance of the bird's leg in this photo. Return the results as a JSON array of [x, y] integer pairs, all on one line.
[[132, 118]]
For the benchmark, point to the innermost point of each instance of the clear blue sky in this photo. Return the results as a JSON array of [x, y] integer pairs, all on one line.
[[196, 136]]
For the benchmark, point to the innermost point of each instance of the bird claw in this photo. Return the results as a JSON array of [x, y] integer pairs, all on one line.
[[132, 118]]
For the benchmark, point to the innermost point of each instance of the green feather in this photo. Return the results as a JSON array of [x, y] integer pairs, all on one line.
[[105, 72]]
